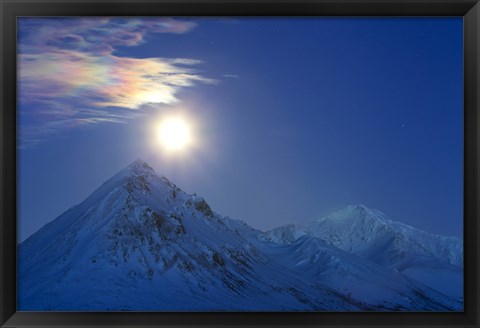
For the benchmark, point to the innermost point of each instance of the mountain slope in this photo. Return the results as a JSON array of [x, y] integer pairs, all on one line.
[[436, 261], [140, 243], [383, 288], [139, 240]]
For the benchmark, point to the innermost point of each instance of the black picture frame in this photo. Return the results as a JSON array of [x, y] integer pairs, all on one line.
[[10, 10]]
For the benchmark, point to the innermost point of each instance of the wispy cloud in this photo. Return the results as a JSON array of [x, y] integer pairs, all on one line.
[[231, 76], [70, 75]]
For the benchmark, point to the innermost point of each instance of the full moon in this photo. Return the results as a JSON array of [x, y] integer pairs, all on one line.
[[174, 133]]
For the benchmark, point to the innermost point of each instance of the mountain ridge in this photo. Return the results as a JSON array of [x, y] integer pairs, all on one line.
[[139, 238], [369, 234]]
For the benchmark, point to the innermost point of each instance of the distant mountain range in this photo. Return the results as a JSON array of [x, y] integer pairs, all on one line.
[[140, 243]]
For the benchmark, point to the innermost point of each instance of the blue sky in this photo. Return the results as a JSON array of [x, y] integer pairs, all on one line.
[[295, 117]]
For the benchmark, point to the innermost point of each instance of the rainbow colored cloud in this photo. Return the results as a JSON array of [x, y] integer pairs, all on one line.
[[68, 74]]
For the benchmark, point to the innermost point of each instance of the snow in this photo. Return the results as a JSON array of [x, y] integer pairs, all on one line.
[[434, 260], [139, 243]]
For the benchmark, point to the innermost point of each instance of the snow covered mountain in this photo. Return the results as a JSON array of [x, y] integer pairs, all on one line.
[[141, 243], [436, 261]]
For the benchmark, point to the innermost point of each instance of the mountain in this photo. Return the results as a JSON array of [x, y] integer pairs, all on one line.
[[434, 260], [141, 243]]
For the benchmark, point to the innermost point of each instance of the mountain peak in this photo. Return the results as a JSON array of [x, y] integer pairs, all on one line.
[[354, 212], [140, 167], [364, 211], [358, 208]]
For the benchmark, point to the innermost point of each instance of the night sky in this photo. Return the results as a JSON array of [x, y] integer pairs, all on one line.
[[293, 118]]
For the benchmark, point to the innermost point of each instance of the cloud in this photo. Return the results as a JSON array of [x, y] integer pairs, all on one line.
[[97, 35], [231, 76], [69, 74]]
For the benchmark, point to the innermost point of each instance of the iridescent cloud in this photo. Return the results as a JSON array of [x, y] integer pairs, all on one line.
[[69, 74]]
